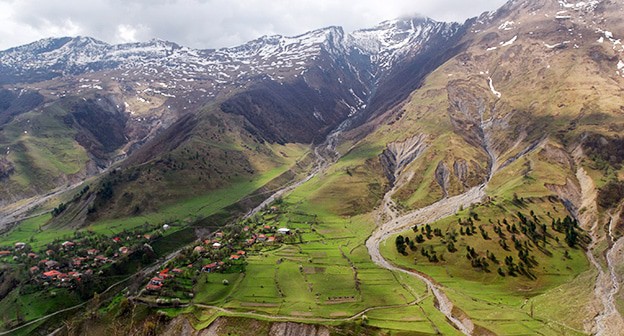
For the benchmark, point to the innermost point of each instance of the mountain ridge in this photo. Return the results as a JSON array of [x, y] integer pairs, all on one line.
[[155, 84]]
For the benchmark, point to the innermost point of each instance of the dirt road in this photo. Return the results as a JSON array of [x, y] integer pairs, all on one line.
[[443, 208]]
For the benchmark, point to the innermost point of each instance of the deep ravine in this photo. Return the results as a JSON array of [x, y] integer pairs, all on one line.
[[608, 320]]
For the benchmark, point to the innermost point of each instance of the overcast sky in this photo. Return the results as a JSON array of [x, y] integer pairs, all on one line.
[[209, 23]]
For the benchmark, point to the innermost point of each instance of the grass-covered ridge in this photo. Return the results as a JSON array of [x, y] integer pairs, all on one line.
[[496, 261]]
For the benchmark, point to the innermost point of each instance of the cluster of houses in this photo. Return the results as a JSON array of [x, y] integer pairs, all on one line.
[[158, 281], [64, 264], [221, 250]]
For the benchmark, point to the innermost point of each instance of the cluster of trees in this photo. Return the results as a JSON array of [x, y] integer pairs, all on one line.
[[522, 234], [430, 254], [63, 206], [570, 228], [611, 194], [450, 238], [400, 244], [59, 209], [604, 150]]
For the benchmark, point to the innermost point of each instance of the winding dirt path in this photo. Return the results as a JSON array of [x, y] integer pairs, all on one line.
[[325, 153], [290, 318], [441, 209]]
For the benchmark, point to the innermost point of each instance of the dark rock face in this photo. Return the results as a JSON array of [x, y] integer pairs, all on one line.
[[101, 125], [16, 102]]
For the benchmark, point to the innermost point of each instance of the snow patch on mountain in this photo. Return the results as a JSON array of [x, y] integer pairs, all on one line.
[[275, 56], [510, 42], [391, 40], [585, 6], [496, 93]]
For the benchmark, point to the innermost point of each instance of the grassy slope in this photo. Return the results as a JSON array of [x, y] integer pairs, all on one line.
[[210, 153], [43, 150], [32, 306], [186, 210], [503, 304]]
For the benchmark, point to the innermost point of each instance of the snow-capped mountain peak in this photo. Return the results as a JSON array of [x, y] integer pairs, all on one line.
[[275, 57], [393, 39]]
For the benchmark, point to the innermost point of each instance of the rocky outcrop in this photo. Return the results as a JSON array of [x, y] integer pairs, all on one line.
[[399, 155], [442, 176], [297, 329], [180, 326]]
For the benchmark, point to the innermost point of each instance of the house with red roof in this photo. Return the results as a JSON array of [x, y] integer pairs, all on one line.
[[77, 262], [210, 267], [165, 274], [156, 281], [52, 274], [153, 288], [101, 258]]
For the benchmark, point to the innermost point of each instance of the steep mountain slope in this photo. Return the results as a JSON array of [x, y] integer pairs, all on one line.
[[285, 89], [518, 112], [509, 91]]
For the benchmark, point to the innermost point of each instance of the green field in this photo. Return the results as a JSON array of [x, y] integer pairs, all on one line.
[[32, 306], [327, 276]]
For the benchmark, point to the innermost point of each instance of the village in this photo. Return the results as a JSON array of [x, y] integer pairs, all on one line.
[[65, 263], [69, 262], [224, 251]]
